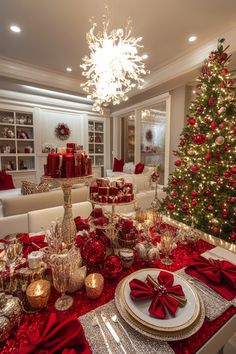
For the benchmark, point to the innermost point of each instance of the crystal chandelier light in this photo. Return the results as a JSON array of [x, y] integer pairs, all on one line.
[[114, 66]]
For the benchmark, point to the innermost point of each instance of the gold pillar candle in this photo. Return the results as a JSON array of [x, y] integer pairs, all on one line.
[[38, 293], [94, 285]]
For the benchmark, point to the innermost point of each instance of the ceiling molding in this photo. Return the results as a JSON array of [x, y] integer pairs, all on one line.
[[185, 63], [29, 73]]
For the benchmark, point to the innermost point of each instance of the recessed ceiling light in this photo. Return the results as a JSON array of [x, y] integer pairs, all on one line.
[[68, 69], [192, 38], [15, 29]]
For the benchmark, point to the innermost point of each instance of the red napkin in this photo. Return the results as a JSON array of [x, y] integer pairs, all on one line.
[[32, 243], [81, 224], [162, 300], [218, 275], [55, 337]]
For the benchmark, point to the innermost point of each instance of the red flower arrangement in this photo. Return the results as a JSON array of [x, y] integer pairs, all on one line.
[[62, 131]]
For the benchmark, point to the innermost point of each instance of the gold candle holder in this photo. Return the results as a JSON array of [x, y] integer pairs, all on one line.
[[38, 293], [94, 285]]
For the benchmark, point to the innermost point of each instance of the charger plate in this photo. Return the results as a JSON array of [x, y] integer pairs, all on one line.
[[154, 333], [185, 316]]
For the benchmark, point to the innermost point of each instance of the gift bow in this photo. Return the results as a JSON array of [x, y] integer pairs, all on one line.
[[81, 224], [216, 270], [165, 297], [32, 243], [56, 337]]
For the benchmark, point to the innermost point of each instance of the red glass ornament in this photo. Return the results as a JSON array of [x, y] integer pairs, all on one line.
[[211, 101], [224, 71], [208, 193], [184, 198], [171, 206], [221, 125], [178, 163], [194, 168], [232, 236], [208, 156], [191, 121], [199, 139], [213, 125], [210, 207], [185, 207], [93, 251], [194, 202], [218, 155], [223, 57], [215, 230], [182, 143], [225, 214], [229, 200], [194, 194], [233, 170], [186, 135], [174, 181], [174, 193], [112, 266], [227, 174]]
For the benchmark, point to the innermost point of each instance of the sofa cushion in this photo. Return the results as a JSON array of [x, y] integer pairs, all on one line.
[[31, 188], [139, 168], [118, 165], [6, 181], [129, 168]]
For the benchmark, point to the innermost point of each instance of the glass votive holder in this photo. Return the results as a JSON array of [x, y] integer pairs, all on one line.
[[94, 285], [38, 293], [127, 257]]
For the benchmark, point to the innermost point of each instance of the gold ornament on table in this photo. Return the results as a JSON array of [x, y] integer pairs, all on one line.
[[38, 294], [114, 66]]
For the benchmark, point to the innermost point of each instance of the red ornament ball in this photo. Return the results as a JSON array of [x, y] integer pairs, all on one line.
[[211, 101], [233, 170], [227, 174], [112, 266], [194, 194], [208, 193], [224, 71], [174, 181], [213, 125], [232, 236], [215, 230], [199, 139], [194, 168], [174, 193], [210, 207], [208, 156], [223, 57], [194, 202], [184, 198], [185, 207], [225, 214], [171, 206], [178, 163], [191, 121], [186, 135], [93, 251], [182, 143], [221, 125]]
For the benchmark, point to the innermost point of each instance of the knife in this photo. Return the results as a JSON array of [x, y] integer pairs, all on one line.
[[112, 331]]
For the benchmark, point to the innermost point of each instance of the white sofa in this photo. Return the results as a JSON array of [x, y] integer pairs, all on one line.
[[34, 221]]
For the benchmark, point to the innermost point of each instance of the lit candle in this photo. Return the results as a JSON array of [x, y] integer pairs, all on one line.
[[38, 293], [94, 285]]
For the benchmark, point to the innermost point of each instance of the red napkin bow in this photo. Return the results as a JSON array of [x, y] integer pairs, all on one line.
[[32, 243], [55, 337], [220, 275], [162, 299]]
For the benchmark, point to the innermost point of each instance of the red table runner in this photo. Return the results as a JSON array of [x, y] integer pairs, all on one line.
[[182, 257]]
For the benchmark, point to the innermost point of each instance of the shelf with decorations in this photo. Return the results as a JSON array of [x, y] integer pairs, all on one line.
[[17, 145], [96, 146]]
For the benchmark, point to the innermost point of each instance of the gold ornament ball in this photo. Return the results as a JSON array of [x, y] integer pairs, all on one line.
[[191, 151], [209, 136], [220, 140], [214, 221]]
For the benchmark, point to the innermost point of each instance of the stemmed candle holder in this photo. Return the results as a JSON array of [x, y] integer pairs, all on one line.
[[167, 245]]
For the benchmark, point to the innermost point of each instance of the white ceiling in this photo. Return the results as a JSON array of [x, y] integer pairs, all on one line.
[[53, 31]]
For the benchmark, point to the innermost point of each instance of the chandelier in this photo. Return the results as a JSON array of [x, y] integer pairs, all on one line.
[[114, 66]]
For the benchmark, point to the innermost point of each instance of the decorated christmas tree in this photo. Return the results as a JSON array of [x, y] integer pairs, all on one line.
[[201, 191]]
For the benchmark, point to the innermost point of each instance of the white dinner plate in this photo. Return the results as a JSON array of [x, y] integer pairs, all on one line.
[[185, 316]]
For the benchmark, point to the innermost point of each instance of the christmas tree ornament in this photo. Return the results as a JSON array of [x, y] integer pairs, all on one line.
[[171, 206], [223, 57], [209, 136], [215, 230], [221, 125], [194, 168], [213, 125], [207, 193], [178, 163], [232, 236], [191, 121], [182, 143], [222, 110], [191, 151], [227, 174], [199, 139], [93, 251], [112, 266], [233, 170], [211, 101], [174, 193], [174, 181], [194, 202], [185, 207], [224, 71], [210, 207], [220, 140], [194, 194], [208, 156], [214, 221]]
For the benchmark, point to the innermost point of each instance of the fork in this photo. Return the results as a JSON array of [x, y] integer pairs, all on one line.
[[95, 323], [116, 320]]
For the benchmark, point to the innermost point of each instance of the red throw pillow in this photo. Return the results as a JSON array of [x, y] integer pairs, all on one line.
[[118, 165], [6, 181], [139, 168]]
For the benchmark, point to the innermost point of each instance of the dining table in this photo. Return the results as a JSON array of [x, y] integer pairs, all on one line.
[[218, 324]]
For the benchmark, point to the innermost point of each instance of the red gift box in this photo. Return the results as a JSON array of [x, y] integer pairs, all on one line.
[[71, 146], [102, 199], [69, 150], [110, 199], [93, 188], [128, 188], [103, 191], [103, 220]]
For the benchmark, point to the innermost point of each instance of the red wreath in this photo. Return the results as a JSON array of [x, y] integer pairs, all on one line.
[[62, 131]]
